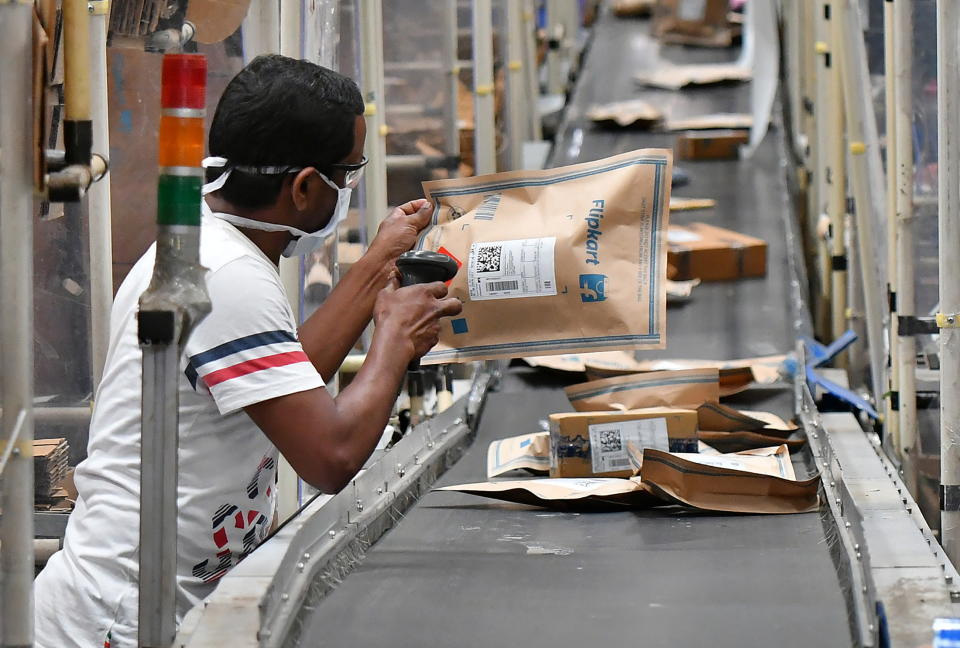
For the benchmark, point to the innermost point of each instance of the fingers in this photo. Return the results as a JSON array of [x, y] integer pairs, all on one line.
[[393, 283], [437, 289], [412, 207], [450, 307]]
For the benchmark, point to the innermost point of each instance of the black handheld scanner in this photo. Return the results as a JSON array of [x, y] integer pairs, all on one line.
[[422, 266]]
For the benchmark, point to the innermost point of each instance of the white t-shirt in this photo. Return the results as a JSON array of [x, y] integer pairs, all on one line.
[[246, 351]]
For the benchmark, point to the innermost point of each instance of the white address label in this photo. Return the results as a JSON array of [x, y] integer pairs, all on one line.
[[511, 269], [608, 442]]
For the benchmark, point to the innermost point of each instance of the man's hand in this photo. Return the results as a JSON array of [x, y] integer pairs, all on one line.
[[399, 231], [411, 315]]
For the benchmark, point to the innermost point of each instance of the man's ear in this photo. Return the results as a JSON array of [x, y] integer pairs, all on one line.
[[304, 185]]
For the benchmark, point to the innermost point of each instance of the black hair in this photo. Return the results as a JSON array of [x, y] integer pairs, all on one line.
[[280, 111]]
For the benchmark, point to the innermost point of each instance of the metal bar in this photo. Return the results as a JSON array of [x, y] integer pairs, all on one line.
[[291, 270], [892, 417], [158, 496], [516, 94], [531, 69], [452, 66], [821, 161], [10, 441], [836, 180], [948, 160], [371, 77], [16, 322], [485, 133], [907, 346], [100, 240], [866, 178], [556, 39]]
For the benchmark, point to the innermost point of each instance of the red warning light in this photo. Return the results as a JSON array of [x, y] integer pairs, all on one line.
[[184, 81]]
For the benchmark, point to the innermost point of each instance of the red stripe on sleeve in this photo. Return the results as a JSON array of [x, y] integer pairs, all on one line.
[[256, 364]]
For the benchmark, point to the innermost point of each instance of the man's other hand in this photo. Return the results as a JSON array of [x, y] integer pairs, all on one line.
[[399, 231], [411, 315]]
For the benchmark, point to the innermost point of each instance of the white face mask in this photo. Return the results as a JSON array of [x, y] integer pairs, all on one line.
[[304, 242]]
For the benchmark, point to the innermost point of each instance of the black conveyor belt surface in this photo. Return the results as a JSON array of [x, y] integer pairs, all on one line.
[[465, 571]]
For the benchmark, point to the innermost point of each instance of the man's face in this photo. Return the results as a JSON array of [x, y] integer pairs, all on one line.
[[326, 198]]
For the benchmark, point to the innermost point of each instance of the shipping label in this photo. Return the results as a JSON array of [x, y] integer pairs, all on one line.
[[510, 269]]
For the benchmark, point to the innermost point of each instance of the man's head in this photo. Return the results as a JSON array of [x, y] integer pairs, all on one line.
[[282, 112]]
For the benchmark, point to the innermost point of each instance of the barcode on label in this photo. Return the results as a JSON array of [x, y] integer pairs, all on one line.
[[618, 463], [488, 208], [503, 285]]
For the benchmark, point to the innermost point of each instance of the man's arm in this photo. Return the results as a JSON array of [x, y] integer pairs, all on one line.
[[328, 335], [327, 440]]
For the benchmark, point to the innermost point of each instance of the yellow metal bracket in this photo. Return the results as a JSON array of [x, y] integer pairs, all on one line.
[[858, 148], [484, 90], [98, 7], [948, 320], [514, 66], [370, 109], [821, 47]]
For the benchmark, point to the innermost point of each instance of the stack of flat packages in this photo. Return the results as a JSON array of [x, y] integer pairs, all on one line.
[[50, 466]]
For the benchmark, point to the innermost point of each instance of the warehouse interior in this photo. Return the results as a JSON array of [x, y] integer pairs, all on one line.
[[747, 444]]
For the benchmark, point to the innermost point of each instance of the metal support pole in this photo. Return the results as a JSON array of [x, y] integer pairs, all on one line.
[[836, 180], [371, 76], [892, 417], [531, 69], [291, 270], [516, 94], [907, 346], [175, 301], [948, 159], [16, 324], [452, 66], [866, 178], [101, 246], [485, 133], [556, 41], [823, 107]]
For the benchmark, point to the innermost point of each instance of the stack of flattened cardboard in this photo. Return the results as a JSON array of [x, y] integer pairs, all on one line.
[[50, 465], [638, 441]]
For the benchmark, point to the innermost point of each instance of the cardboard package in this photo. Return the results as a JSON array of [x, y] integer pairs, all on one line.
[[566, 494], [688, 389], [633, 8], [529, 452], [711, 144], [690, 204], [572, 258], [701, 23], [588, 444], [733, 121], [708, 253], [734, 375], [729, 484], [635, 113], [675, 77]]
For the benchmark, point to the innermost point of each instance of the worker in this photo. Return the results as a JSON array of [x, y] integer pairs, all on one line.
[[287, 150]]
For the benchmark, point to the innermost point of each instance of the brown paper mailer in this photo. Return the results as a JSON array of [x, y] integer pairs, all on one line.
[[720, 418], [688, 389], [674, 77], [633, 8], [729, 121], [765, 370], [525, 452], [578, 494], [680, 291], [738, 441], [769, 460], [578, 362], [706, 448], [588, 444], [717, 488], [635, 112], [690, 204], [693, 22], [564, 260], [215, 20], [701, 251]]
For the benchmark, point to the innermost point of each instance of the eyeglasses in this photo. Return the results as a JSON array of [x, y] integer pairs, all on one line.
[[352, 172]]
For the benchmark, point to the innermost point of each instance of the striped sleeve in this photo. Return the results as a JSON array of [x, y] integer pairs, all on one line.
[[245, 351]]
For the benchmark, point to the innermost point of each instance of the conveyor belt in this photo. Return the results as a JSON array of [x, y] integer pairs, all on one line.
[[464, 571]]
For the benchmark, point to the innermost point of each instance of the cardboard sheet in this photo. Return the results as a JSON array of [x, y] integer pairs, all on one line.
[[635, 113], [690, 204], [730, 121], [675, 77]]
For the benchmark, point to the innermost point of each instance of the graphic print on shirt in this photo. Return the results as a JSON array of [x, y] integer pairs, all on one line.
[[236, 531], [244, 356]]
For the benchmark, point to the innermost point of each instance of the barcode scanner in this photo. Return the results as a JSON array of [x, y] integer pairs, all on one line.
[[417, 267]]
